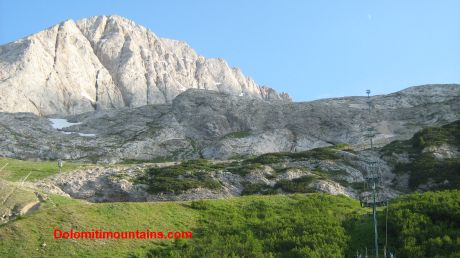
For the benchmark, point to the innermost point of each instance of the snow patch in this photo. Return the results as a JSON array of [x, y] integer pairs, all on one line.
[[87, 134], [59, 123]]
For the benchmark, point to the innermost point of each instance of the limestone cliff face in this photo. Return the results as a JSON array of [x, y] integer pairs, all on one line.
[[109, 62]]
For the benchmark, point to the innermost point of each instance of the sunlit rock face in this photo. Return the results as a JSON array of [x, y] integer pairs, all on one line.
[[109, 62]]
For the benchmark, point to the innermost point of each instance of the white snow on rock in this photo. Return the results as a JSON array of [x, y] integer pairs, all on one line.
[[87, 134], [59, 123]]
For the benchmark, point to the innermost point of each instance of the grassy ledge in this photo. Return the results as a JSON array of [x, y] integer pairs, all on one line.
[[17, 170]]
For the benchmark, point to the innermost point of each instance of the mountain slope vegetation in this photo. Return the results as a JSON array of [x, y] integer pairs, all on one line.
[[431, 157], [301, 225]]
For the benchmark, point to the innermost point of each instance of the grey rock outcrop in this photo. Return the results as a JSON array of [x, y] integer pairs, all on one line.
[[208, 124], [108, 62], [343, 173]]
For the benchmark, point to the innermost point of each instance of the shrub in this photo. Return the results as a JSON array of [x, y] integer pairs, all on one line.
[[327, 153], [177, 179], [423, 166], [244, 168], [426, 225], [297, 226], [199, 205], [298, 185], [257, 189]]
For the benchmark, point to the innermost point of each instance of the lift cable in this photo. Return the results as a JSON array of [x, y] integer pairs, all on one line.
[[370, 196]]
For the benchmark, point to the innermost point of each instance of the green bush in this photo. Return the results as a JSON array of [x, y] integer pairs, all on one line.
[[298, 185], [257, 189], [244, 168], [326, 153], [426, 225], [423, 166], [177, 179], [295, 226], [435, 136], [268, 158], [426, 166], [199, 205]]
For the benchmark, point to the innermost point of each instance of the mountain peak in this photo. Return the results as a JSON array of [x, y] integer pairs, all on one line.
[[109, 62]]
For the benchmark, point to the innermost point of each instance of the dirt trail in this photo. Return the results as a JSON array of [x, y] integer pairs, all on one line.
[[30, 207]]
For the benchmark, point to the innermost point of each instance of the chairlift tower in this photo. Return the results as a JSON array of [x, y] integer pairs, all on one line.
[[373, 179], [374, 212], [372, 183]]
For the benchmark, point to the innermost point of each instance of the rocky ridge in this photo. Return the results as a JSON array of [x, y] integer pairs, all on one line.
[[108, 62], [212, 125]]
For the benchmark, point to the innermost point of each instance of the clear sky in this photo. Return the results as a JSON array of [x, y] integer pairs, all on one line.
[[310, 49]]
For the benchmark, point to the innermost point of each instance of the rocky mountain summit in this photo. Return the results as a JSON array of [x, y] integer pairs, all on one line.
[[214, 125], [109, 62]]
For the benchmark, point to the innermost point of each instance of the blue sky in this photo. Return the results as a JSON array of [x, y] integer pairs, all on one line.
[[310, 49]]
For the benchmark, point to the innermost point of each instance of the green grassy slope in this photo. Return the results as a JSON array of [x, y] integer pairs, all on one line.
[[253, 225], [300, 225], [17, 170], [13, 197], [32, 235]]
